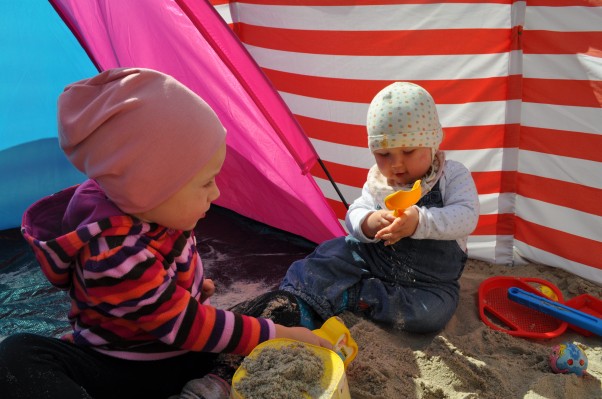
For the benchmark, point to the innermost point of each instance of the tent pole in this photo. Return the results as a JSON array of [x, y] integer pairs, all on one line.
[[334, 184]]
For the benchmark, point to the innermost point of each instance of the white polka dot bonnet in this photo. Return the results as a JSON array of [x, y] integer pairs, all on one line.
[[403, 114]]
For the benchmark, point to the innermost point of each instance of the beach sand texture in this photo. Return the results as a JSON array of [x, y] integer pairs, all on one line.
[[467, 359]]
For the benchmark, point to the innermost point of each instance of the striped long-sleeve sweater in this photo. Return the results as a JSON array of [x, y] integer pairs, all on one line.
[[135, 287]]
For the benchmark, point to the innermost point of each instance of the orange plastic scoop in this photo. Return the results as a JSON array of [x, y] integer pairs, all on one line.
[[400, 200]]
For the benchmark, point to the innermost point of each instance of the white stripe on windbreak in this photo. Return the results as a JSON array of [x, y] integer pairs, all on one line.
[[529, 252], [565, 219], [484, 113], [564, 19], [562, 66], [480, 160], [426, 67], [562, 117], [387, 17], [557, 167]]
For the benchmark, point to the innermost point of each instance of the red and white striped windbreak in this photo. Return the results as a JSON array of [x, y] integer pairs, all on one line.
[[519, 92]]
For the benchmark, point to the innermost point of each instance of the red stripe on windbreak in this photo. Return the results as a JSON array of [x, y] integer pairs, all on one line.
[[561, 142], [456, 91], [495, 182], [480, 137], [327, 3], [456, 138], [570, 195], [485, 182], [348, 175], [334, 132], [377, 43], [549, 42], [568, 246], [487, 225], [497, 224], [580, 93], [338, 207]]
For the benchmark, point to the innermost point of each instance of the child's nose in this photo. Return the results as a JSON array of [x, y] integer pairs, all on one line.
[[397, 161], [215, 194]]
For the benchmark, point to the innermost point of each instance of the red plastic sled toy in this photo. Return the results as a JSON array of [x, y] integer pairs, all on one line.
[[501, 313]]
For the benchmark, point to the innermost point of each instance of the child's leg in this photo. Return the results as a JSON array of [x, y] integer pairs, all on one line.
[[328, 278], [33, 366], [413, 284], [30, 368], [414, 309], [279, 306]]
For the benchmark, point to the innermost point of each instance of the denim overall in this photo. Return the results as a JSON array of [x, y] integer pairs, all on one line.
[[412, 284]]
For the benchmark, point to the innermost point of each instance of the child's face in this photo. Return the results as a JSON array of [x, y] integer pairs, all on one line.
[[186, 207], [403, 165]]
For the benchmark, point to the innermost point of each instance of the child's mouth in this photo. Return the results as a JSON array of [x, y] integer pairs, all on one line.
[[400, 176]]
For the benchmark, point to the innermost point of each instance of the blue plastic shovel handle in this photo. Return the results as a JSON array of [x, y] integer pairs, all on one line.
[[556, 309]]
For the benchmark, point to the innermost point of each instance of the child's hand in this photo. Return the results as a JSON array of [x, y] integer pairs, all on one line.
[[403, 226], [376, 221], [301, 334], [207, 290]]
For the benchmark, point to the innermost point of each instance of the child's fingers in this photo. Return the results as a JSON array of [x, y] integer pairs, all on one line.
[[386, 232], [401, 219], [388, 237], [392, 239], [392, 233], [389, 217], [396, 225]]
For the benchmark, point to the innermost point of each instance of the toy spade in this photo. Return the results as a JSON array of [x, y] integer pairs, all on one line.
[[335, 331], [400, 200], [556, 309]]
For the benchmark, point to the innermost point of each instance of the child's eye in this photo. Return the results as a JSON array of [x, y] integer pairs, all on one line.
[[382, 154], [408, 151], [209, 184]]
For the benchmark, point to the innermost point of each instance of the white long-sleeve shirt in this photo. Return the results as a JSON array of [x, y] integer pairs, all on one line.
[[454, 221]]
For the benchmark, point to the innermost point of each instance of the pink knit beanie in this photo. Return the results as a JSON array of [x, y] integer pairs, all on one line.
[[139, 133]]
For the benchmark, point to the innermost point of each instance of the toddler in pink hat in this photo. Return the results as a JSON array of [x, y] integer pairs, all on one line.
[[121, 243]]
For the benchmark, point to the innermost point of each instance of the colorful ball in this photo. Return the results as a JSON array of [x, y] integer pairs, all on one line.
[[568, 358]]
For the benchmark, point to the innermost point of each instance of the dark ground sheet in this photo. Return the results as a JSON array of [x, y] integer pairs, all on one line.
[[237, 252]]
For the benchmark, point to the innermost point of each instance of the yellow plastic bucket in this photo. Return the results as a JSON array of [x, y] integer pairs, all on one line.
[[333, 384]]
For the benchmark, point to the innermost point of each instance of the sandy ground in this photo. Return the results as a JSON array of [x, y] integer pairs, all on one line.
[[468, 359]]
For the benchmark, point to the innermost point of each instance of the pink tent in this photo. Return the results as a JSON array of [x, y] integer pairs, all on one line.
[[266, 174]]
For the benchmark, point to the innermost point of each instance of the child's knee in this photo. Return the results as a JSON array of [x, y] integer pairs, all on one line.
[[279, 306], [15, 347], [15, 358], [424, 325], [426, 322]]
